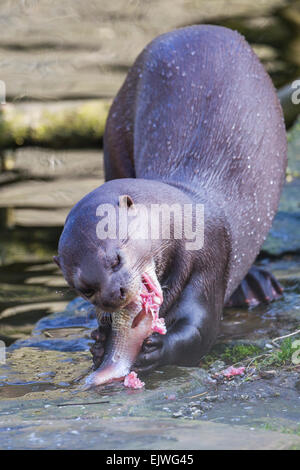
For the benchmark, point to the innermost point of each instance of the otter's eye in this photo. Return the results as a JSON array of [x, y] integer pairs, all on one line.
[[116, 262], [88, 293]]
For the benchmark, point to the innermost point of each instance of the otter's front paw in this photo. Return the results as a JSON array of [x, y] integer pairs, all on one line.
[[100, 336], [151, 354]]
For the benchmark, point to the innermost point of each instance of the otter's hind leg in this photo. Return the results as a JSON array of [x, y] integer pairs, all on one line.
[[259, 286]]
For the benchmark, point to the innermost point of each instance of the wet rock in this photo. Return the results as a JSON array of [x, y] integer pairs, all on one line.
[[68, 330], [268, 374], [217, 366], [53, 344], [294, 150], [284, 235], [138, 433], [290, 199], [78, 313]]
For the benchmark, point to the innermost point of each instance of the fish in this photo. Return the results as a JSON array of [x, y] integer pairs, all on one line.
[[130, 327]]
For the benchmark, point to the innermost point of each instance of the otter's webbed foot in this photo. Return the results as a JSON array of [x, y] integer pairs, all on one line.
[[259, 286], [100, 336], [151, 354]]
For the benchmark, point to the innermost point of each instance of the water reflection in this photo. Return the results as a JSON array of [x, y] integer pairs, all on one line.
[[31, 286]]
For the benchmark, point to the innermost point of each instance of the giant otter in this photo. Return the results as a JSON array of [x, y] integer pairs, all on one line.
[[197, 120]]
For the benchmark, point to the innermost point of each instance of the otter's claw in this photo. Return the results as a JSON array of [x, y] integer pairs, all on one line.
[[150, 355], [259, 286]]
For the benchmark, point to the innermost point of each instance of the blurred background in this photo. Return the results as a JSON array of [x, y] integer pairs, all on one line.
[[61, 63]]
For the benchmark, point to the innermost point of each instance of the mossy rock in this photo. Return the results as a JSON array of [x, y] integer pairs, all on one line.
[[54, 126]]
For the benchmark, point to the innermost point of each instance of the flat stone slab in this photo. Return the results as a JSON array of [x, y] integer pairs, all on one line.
[[39, 218], [67, 177], [61, 193], [54, 50], [136, 434], [35, 162], [42, 407]]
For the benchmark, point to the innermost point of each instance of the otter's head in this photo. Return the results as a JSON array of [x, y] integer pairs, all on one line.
[[103, 262]]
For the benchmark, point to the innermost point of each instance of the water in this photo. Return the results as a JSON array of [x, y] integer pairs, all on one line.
[[30, 283]]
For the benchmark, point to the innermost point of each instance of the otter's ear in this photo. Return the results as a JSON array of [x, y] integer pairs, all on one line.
[[125, 201], [56, 260]]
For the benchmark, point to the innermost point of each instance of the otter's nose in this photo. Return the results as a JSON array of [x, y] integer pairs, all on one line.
[[113, 298]]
